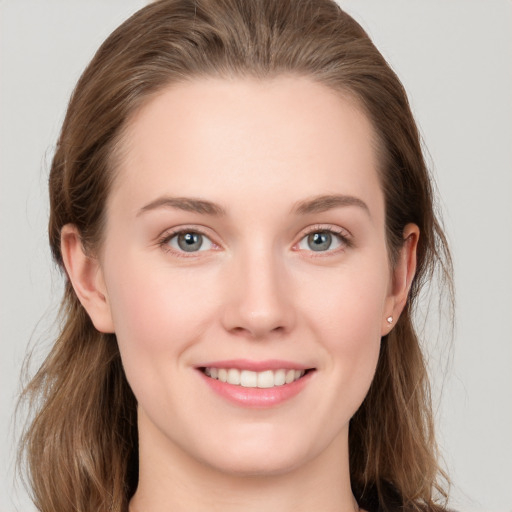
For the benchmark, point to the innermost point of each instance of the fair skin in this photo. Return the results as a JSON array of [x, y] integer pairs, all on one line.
[[275, 261]]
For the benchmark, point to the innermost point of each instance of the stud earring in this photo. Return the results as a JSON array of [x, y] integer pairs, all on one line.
[[389, 319]]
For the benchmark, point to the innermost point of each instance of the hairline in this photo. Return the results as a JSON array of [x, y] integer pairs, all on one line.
[[119, 146]]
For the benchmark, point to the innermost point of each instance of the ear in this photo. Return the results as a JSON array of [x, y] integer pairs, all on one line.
[[402, 276], [86, 276]]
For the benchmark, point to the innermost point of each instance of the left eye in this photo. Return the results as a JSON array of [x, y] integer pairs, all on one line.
[[190, 241], [321, 241]]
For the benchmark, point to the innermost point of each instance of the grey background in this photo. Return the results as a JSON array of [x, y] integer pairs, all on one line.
[[454, 58]]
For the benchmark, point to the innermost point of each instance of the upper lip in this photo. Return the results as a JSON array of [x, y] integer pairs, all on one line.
[[255, 366]]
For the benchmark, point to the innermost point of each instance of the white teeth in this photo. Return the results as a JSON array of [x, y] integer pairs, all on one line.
[[233, 376], [250, 379], [290, 376], [266, 379], [279, 377]]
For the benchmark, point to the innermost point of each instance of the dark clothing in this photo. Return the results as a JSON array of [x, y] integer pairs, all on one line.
[[369, 500]]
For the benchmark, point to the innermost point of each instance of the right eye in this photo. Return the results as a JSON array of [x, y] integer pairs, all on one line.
[[188, 241]]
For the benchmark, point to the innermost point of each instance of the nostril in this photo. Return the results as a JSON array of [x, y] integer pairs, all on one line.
[[257, 330]]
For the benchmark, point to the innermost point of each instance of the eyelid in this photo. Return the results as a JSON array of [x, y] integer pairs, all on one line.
[[164, 238], [343, 234]]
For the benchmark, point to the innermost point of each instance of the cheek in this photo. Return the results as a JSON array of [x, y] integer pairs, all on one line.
[[157, 320], [346, 316], [150, 302], [156, 316], [349, 306]]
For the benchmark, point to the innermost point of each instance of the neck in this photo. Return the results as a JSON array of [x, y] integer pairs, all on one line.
[[169, 479]]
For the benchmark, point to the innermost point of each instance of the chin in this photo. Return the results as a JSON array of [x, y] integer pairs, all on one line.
[[260, 455], [256, 465]]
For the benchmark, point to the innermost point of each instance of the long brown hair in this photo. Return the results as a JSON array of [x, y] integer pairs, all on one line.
[[81, 444]]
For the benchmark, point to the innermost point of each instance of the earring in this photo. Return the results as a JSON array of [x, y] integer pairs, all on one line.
[[389, 319]]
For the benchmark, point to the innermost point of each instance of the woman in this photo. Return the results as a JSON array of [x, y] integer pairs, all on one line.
[[241, 206]]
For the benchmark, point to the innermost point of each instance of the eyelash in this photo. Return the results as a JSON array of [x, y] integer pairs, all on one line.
[[163, 241], [343, 236]]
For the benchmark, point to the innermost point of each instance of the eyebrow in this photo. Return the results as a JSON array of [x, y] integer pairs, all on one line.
[[315, 205], [328, 202], [187, 204]]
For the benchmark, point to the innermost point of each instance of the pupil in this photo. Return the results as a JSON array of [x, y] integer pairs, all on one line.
[[319, 241], [190, 242]]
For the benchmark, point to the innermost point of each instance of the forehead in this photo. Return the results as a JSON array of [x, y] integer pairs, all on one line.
[[212, 137]]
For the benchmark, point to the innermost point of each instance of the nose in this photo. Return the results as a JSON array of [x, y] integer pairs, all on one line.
[[259, 297]]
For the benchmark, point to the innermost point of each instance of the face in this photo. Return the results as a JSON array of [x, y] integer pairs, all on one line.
[[245, 270]]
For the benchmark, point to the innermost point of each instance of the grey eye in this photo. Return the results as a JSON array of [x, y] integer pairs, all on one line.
[[321, 241], [190, 241]]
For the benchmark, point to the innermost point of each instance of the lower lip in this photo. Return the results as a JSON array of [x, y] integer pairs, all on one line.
[[257, 397]]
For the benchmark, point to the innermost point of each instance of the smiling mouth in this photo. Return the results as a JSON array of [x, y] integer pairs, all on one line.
[[250, 379]]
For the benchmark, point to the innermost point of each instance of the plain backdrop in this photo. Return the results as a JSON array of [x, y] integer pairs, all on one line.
[[454, 58]]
